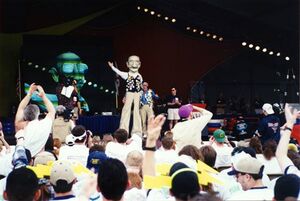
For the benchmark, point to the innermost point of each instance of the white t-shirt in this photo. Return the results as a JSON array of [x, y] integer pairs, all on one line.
[[259, 193], [135, 194], [230, 186], [76, 152], [36, 134], [271, 166], [165, 156], [160, 194], [223, 155], [120, 151]]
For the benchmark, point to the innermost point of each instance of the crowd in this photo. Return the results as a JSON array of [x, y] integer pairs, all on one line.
[[265, 167]]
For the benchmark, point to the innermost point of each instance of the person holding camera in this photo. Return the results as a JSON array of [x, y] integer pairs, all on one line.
[[62, 125]]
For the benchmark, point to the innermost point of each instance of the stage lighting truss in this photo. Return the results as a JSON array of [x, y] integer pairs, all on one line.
[[261, 49], [170, 19]]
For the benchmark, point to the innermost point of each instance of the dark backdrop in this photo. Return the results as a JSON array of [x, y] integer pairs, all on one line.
[[93, 51]]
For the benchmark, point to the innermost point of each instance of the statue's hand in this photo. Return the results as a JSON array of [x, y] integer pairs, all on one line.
[[111, 64], [54, 74]]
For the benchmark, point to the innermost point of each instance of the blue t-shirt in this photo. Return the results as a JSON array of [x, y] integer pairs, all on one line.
[[269, 128]]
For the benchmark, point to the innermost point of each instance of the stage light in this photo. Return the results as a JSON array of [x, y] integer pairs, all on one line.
[[139, 8], [158, 15], [101, 87], [250, 45], [244, 43], [188, 28], [194, 30], [112, 92], [271, 53], [166, 18], [146, 10], [29, 63], [84, 81], [43, 69], [173, 20], [208, 35], [152, 12], [214, 36], [201, 32], [257, 47], [264, 50], [287, 58], [106, 90], [278, 54], [95, 85], [220, 39], [36, 66], [90, 83]]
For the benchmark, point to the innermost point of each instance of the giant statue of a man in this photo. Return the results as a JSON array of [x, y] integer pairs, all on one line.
[[134, 82]]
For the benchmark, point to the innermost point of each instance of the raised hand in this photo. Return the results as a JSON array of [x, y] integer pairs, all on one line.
[[290, 115], [32, 89], [154, 127], [41, 91]]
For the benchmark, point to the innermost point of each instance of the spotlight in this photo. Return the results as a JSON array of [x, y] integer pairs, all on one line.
[[139, 8], [264, 50], [220, 39], [173, 20], [166, 18], [250, 45], [112, 92], [208, 35], [188, 28], [106, 90], [287, 58], [158, 15], [146, 10], [36, 66], [152, 12], [29, 63], [271, 53], [84, 81], [278, 54], [244, 43], [90, 83], [43, 69], [95, 85], [201, 32], [194, 30], [214, 36], [101, 87], [257, 47]]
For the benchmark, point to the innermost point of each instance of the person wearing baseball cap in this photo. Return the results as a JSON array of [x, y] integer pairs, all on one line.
[[249, 173], [223, 148], [269, 125], [188, 132], [62, 179]]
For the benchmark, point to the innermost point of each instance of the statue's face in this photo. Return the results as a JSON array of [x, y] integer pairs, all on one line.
[[75, 71], [134, 63]]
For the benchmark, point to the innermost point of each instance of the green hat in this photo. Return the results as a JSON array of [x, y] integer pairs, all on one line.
[[219, 135]]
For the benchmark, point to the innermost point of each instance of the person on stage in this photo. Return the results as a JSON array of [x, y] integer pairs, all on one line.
[[134, 82], [146, 110], [173, 103]]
